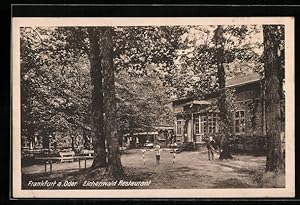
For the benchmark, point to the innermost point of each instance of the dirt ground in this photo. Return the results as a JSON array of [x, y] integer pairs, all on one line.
[[190, 170]]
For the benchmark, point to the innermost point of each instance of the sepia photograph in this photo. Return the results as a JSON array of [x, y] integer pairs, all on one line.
[[153, 107]]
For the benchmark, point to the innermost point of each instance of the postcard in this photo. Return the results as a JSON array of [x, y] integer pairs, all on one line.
[[153, 107]]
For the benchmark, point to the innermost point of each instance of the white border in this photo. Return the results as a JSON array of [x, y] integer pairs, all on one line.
[[289, 191]]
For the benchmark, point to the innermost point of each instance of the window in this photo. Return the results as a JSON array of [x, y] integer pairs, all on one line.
[[197, 126], [212, 123], [203, 124], [179, 127], [207, 123], [239, 121]]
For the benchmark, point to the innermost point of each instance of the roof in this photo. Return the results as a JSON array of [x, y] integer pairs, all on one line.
[[178, 99], [242, 80], [232, 82]]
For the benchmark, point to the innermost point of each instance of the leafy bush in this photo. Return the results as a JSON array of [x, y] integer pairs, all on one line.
[[187, 146], [254, 144], [251, 144]]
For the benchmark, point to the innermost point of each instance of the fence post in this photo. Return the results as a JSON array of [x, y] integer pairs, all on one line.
[[144, 156], [45, 165], [174, 155], [50, 166]]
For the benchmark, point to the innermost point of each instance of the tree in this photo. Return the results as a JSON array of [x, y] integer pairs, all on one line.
[[97, 98], [225, 115], [273, 36], [110, 123], [195, 74], [133, 49], [141, 102], [55, 91], [136, 47], [210, 57]]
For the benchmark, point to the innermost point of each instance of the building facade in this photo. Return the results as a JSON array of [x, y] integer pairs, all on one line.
[[196, 119]]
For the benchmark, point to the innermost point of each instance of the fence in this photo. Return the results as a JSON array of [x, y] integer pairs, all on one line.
[[171, 151]]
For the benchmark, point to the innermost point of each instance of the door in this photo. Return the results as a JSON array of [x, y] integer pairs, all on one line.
[[189, 131]]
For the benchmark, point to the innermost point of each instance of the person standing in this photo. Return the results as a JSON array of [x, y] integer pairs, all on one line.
[[157, 151], [210, 148]]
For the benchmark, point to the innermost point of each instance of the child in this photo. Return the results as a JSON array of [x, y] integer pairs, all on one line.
[[157, 147]]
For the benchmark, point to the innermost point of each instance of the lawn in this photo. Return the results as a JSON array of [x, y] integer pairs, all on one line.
[[190, 170]]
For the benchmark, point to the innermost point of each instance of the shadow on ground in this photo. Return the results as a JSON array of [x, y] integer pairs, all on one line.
[[191, 170]]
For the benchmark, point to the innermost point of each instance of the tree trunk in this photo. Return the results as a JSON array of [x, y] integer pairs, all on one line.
[[72, 143], [86, 143], [272, 98], [45, 139], [114, 157], [85, 139], [97, 99], [226, 124], [131, 134]]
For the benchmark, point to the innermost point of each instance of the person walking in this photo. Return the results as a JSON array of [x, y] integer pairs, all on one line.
[[157, 151], [210, 148]]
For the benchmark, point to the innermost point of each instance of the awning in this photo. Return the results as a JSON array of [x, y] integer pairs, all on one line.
[[142, 133], [197, 102], [207, 109], [164, 127]]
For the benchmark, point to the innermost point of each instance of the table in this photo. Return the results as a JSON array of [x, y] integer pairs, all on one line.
[[49, 160]]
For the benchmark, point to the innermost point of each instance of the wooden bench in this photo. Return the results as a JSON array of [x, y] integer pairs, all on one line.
[[87, 153], [67, 156]]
